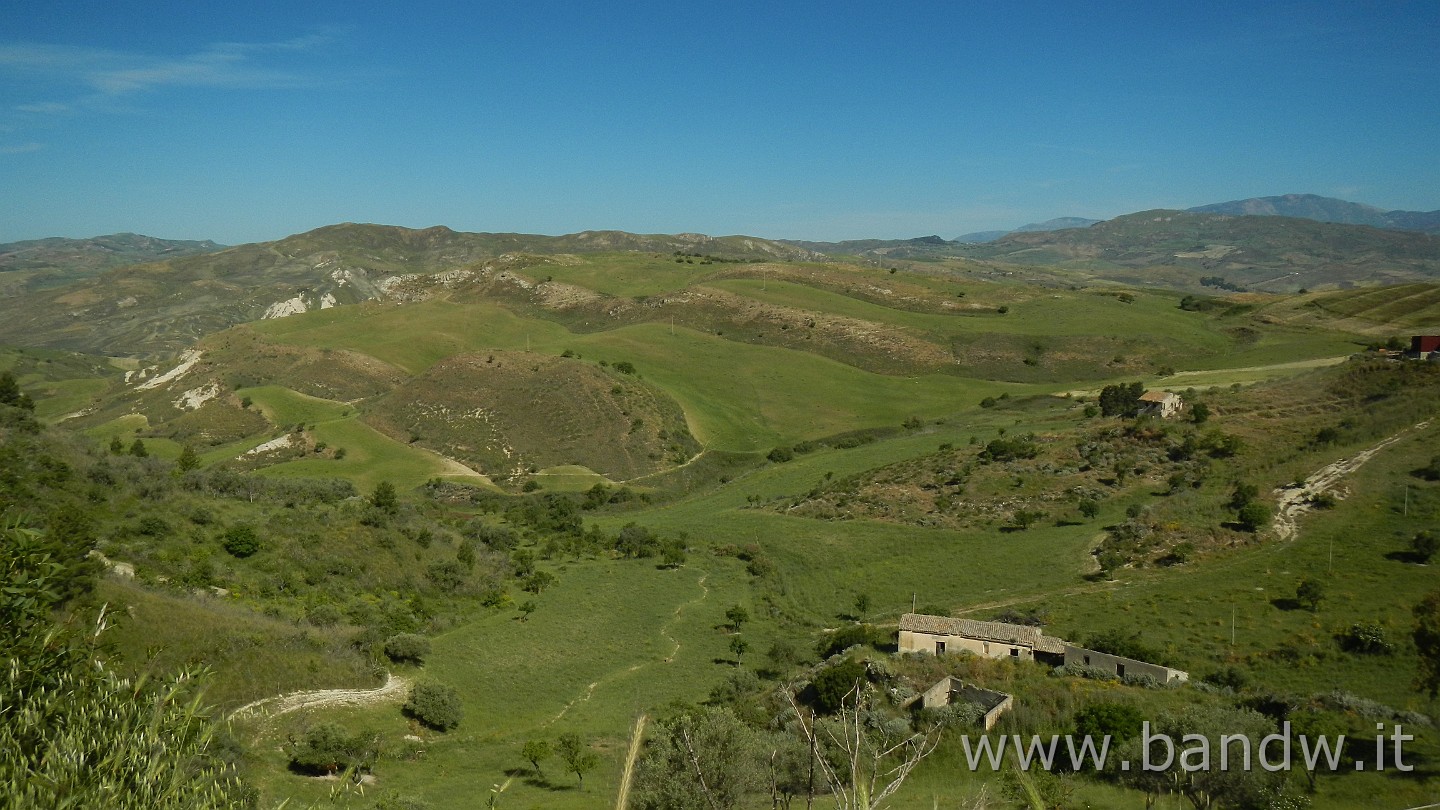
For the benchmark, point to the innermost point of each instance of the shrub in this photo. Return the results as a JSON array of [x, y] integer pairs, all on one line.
[[241, 540], [1424, 545], [407, 648], [1366, 638], [435, 705], [327, 748], [1253, 516], [831, 686], [780, 455]]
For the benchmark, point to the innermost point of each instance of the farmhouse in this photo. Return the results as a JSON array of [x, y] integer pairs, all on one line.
[[1161, 403], [940, 635]]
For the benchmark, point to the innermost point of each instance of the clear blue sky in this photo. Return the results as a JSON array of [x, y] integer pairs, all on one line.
[[249, 121]]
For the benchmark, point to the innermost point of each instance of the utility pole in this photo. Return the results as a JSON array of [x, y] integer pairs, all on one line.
[[913, 598]]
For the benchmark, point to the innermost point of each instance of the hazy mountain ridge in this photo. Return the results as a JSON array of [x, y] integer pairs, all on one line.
[[1272, 253], [1326, 209], [41, 263]]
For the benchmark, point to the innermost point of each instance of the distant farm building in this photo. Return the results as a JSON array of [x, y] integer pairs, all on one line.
[[1423, 346], [1163, 404], [942, 635]]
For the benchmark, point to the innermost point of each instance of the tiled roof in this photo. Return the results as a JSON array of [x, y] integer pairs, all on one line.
[[988, 631], [1156, 396]]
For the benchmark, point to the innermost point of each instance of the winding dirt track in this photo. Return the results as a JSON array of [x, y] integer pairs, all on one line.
[[1292, 502], [265, 708]]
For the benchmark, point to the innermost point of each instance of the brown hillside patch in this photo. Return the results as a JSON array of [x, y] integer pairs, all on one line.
[[249, 359], [504, 413]]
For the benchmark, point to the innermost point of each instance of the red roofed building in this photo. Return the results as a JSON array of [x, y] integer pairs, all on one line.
[[1422, 345]]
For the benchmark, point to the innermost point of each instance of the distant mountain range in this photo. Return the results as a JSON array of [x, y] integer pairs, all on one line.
[[1327, 209], [43, 263]]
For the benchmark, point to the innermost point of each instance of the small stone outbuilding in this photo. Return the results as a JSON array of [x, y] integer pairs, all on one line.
[[1163, 404]]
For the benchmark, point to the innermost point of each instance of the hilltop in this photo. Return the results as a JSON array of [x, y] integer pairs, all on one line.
[[166, 306]]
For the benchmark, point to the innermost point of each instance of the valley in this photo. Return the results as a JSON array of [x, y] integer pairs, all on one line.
[[614, 484]]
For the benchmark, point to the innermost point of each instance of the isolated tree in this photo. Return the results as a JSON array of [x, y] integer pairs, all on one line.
[[1427, 644], [137, 449], [1309, 593], [385, 498], [578, 757], [526, 608], [188, 460], [536, 751], [117, 447], [737, 615], [739, 645], [862, 605], [1089, 507]]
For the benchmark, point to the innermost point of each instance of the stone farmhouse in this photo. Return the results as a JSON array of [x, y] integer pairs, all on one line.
[[1161, 403], [941, 635]]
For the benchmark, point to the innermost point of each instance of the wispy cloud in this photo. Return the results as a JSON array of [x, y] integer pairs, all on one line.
[[226, 64], [21, 148], [94, 77]]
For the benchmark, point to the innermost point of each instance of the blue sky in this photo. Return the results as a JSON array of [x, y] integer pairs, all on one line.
[[250, 121]]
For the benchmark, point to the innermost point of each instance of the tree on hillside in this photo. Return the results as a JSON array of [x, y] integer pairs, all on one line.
[[137, 449], [578, 757], [10, 393], [737, 615], [534, 752], [1121, 399], [188, 460], [385, 498], [1309, 593]]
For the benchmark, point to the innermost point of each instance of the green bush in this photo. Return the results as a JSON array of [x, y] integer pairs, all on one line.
[[831, 687], [435, 705], [327, 748], [407, 648], [241, 540]]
